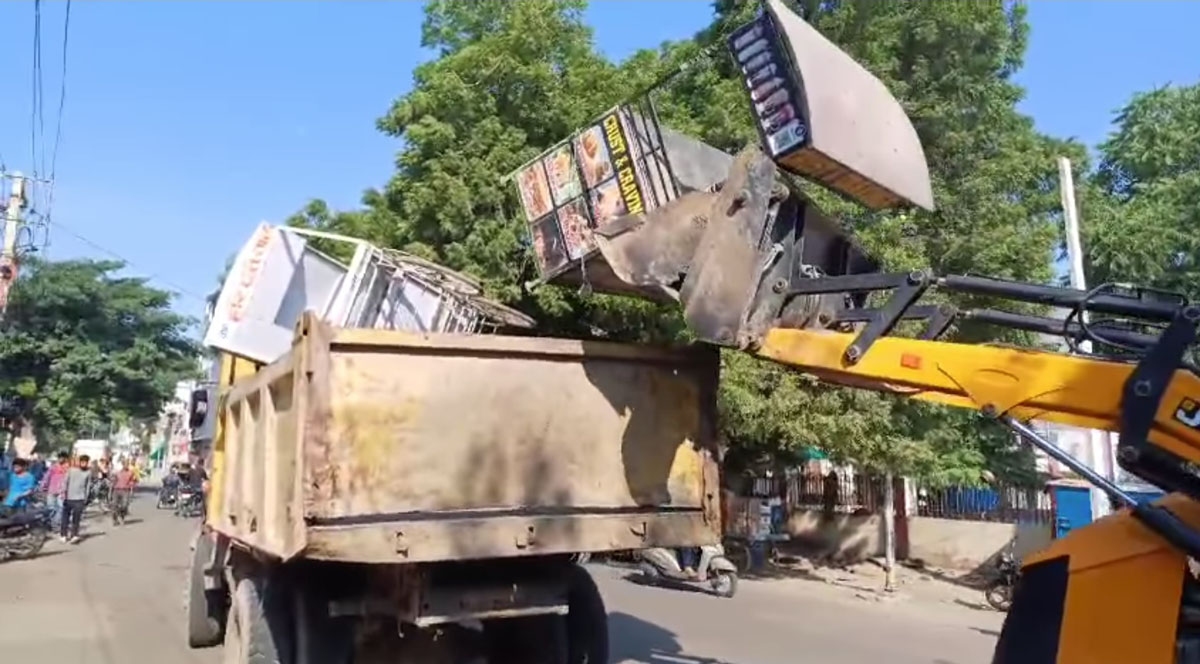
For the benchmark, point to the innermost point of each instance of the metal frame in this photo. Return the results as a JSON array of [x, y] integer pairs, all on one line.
[[907, 288], [1138, 400]]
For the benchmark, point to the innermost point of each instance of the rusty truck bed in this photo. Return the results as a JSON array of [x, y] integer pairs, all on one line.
[[380, 446]]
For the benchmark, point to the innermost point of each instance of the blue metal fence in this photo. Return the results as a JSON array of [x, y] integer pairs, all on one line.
[[1001, 503]]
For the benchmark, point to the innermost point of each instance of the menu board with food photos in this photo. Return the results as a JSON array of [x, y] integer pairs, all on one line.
[[548, 245], [563, 175], [535, 192], [774, 94], [576, 228], [593, 155], [578, 185]]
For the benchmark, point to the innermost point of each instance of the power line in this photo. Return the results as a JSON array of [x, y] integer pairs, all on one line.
[[154, 277], [62, 96], [62, 101], [41, 97], [34, 75]]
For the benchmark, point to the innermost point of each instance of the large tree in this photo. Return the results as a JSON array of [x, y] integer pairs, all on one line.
[[1140, 218], [994, 177], [82, 348], [512, 78]]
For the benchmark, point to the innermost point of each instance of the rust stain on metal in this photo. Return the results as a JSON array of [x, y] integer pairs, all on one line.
[[492, 423]]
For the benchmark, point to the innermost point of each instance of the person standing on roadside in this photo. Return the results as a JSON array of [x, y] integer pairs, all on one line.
[[123, 483], [75, 495], [54, 484]]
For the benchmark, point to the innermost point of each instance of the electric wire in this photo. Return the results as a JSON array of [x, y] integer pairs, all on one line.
[[35, 85], [62, 101], [154, 277], [62, 94]]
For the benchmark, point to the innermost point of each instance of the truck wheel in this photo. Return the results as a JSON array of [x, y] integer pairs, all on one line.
[[259, 629], [205, 610], [587, 620]]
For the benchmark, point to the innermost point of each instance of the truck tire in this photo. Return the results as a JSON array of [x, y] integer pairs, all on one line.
[[205, 610], [587, 620], [259, 627]]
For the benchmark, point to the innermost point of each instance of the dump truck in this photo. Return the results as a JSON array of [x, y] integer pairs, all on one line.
[[397, 494]]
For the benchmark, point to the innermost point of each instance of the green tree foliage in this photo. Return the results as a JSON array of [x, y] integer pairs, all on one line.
[[995, 183], [512, 78], [81, 348], [1140, 218]]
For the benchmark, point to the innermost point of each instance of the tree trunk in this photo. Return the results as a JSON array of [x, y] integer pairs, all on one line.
[[889, 533]]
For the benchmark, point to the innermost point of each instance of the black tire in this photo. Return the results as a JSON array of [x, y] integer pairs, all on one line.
[[259, 627], [587, 619], [999, 596], [30, 544], [319, 637], [205, 608]]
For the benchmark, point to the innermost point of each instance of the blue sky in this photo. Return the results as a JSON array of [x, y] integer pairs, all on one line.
[[187, 123]]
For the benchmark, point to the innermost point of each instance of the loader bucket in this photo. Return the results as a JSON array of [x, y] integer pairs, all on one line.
[[824, 117], [729, 257]]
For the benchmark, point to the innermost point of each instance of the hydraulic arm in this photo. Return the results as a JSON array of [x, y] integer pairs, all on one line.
[[757, 267]]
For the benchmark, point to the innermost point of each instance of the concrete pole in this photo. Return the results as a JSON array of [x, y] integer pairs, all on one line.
[[12, 223], [1101, 452], [889, 532]]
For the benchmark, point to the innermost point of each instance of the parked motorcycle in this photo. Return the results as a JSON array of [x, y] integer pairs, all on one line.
[[23, 533], [659, 566], [999, 591]]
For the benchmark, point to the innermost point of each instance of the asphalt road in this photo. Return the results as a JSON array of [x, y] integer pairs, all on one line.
[[117, 598]]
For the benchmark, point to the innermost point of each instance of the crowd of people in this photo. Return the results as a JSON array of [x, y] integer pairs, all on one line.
[[66, 485]]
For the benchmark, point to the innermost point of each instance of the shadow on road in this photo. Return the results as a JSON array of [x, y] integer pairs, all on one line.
[[986, 632], [978, 606], [642, 641], [39, 556], [638, 578]]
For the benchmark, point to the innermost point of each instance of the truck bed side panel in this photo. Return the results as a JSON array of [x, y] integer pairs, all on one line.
[[377, 446]]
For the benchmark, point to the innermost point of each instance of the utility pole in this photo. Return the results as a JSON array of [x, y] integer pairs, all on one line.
[[8, 256], [1100, 443]]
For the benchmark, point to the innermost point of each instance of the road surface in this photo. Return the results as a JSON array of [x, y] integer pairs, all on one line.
[[117, 598]]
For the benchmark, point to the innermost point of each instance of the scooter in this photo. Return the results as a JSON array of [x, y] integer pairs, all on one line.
[[168, 494], [659, 566], [189, 502], [1000, 590]]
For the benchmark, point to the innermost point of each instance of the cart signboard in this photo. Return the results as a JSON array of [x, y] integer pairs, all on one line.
[[581, 183]]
